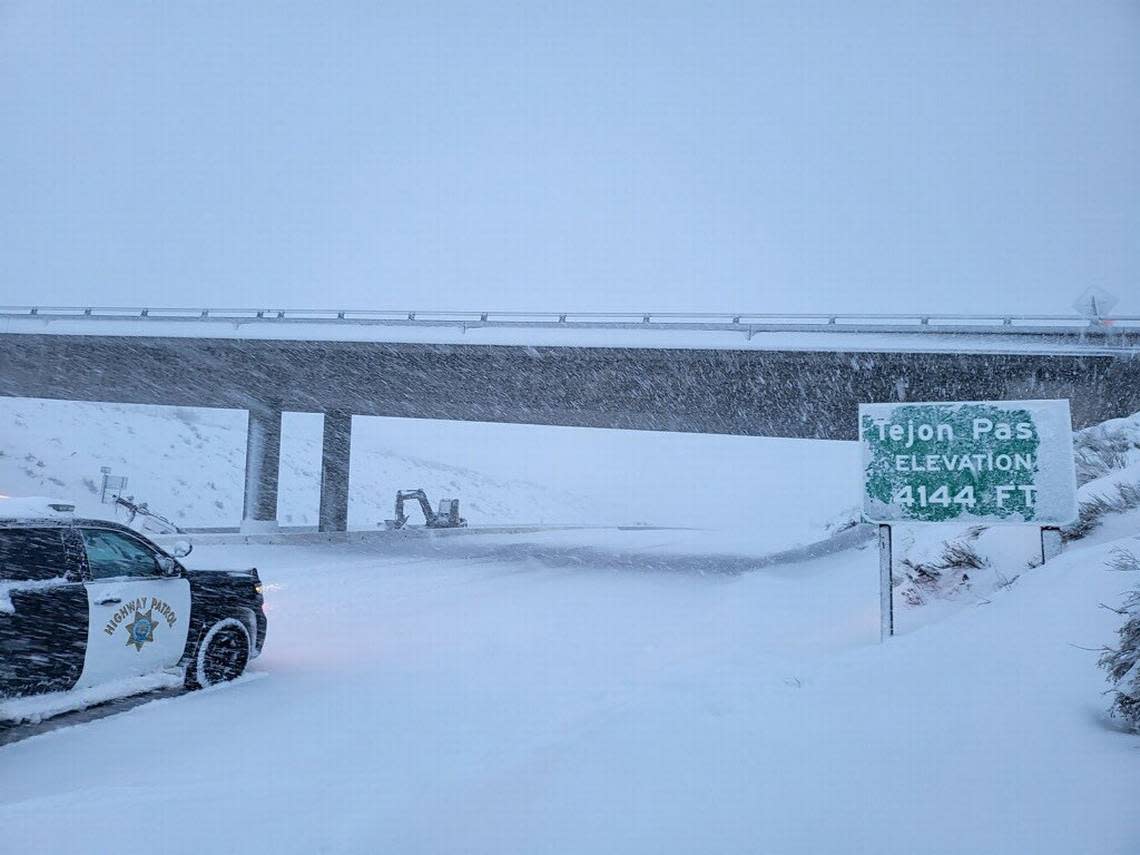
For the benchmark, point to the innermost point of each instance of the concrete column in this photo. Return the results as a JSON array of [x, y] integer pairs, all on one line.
[[336, 450], [262, 466]]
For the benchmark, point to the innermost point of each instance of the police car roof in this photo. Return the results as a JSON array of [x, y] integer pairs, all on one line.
[[16, 507], [44, 512], [33, 521]]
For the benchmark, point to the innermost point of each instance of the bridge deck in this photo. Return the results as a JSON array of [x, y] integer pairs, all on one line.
[[762, 376]]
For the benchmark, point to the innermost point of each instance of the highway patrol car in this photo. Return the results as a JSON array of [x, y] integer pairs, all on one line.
[[84, 602]]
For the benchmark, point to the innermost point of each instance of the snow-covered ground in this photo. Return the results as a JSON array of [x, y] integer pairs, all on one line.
[[537, 694]]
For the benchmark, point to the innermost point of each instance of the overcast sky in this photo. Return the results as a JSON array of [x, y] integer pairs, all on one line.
[[826, 156]]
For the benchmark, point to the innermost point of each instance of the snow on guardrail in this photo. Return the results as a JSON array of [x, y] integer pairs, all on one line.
[[738, 321], [793, 331]]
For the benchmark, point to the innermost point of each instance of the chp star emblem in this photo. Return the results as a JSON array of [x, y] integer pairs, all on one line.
[[141, 630]]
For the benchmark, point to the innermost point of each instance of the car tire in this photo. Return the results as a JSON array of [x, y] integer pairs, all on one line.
[[222, 655]]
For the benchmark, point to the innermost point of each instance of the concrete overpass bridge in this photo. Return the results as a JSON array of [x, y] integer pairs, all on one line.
[[763, 375]]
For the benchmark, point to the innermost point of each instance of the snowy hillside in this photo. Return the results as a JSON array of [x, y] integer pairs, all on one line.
[[189, 464]]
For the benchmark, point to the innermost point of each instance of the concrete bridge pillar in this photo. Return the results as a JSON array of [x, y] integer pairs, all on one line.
[[262, 467], [336, 450]]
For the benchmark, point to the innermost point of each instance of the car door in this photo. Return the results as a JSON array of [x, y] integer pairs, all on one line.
[[43, 612], [137, 616]]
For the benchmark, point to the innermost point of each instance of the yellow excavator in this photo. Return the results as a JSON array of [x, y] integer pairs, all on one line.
[[446, 517]]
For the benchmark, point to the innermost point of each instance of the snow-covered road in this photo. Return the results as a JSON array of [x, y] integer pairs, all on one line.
[[542, 693]]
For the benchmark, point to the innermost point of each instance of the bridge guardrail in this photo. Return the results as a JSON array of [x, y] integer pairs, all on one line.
[[749, 323]]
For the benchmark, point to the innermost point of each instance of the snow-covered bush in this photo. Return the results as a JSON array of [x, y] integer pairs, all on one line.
[[1123, 560], [1123, 662], [943, 576], [1103, 449], [1108, 472], [1121, 497], [1100, 453]]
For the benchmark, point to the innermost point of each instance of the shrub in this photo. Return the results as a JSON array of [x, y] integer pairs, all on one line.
[[1123, 663], [1125, 497], [1123, 560], [946, 576], [961, 556], [1099, 451]]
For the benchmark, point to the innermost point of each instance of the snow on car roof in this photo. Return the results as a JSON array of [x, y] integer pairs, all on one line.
[[35, 507]]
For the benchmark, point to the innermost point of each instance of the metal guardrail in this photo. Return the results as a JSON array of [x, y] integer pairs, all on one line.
[[749, 323]]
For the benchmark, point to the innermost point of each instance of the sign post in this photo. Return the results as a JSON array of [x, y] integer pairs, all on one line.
[[1050, 542], [977, 462], [886, 584]]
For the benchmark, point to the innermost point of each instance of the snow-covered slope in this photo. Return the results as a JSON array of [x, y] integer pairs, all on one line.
[[189, 465]]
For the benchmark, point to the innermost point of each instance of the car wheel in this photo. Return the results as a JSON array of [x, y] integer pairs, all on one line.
[[222, 655]]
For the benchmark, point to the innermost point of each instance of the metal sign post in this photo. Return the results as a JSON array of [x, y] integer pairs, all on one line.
[[886, 584], [1050, 543]]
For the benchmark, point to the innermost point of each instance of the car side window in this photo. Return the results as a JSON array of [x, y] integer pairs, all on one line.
[[32, 554], [111, 555]]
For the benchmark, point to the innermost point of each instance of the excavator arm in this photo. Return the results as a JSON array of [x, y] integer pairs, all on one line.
[[420, 496]]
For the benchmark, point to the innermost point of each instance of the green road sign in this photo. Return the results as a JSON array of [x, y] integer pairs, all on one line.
[[981, 461]]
